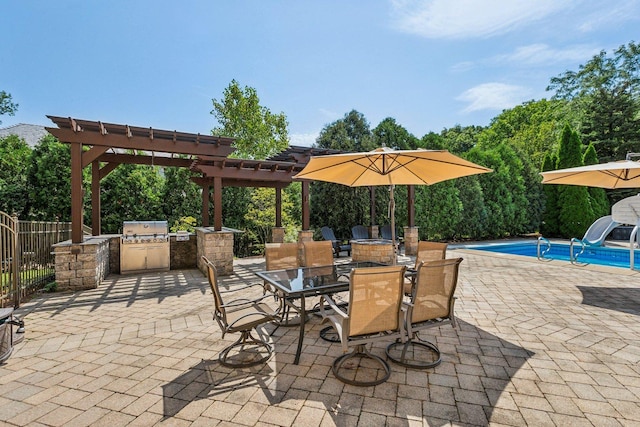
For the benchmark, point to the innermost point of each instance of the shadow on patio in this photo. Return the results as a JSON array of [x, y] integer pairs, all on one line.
[[477, 367]]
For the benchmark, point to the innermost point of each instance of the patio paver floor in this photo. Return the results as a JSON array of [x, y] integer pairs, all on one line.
[[536, 344]]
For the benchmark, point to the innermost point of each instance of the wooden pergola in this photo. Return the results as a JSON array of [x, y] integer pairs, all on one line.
[[104, 146]]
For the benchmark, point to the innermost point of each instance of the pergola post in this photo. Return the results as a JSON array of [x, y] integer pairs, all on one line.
[[95, 198], [305, 205], [217, 203], [76, 192], [278, 207], [205, 205]]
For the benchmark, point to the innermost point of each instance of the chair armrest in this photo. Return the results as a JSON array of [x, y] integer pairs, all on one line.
[[243, 301], [333, 305], [239, 288]]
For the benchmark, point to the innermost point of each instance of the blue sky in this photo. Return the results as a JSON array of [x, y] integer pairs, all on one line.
[[428, 64]]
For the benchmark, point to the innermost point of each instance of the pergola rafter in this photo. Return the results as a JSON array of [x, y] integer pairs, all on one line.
[[104, 146]]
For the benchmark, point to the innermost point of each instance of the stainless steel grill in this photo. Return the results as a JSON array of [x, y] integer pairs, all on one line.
[[144, 246]]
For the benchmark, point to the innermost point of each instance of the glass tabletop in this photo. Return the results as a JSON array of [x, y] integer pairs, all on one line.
[[313, 280]]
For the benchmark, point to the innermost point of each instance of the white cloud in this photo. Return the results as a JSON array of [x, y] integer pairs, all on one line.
[[303, 139], [493, 96], [610, 13], [459, 19], [542, 54]]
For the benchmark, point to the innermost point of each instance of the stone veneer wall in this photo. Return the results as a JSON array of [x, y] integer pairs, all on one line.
[[81, 265], [411, 240], [184, 253], [367, 250], [217, 246]]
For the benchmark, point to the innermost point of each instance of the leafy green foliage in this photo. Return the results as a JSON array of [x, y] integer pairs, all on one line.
[[259, 133], [575, 214], [598, 197], [550, 226], [15, 155], [605, 93], [6, 104], [390, 134], [185, 223], [180, 196], [49, 176], [130, 192]]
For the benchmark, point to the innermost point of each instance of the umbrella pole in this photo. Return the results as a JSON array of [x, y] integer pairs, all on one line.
[[392, 209]]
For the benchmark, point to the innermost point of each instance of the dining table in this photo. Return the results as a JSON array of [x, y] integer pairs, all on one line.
[[298, 284]]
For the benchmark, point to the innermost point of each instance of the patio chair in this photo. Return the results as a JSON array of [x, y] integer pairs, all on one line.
[[374, 314], [385, 233], [427, 251], [240, 315], [359, 232], [317, 253], [282, 256], [432, 304], [327, 234]]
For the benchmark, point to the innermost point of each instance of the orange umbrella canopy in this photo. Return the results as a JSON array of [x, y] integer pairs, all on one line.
[[620, 174], [384, 166]]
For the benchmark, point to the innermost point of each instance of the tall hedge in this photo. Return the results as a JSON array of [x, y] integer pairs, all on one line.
[[575, 214]]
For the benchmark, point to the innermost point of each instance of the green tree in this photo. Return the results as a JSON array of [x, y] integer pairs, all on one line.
[[180, 196], [338, 206], [550, 226], [130, 192], [460, 139], [259, 133], [49, 176], [390, 134], [599, 200], [474, 219], [575, 214], [6, 104], [261, 217], [15, 155], [605, 92]]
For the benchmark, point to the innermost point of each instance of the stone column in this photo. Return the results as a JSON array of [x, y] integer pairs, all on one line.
[[303, 236], [411, 240], [81, 266], [217, 246], [374, 231], [277, 235]]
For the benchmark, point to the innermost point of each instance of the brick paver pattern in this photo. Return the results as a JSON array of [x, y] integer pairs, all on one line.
[[536, 344]]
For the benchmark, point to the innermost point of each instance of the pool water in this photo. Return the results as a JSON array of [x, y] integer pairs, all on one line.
[[610, 256]]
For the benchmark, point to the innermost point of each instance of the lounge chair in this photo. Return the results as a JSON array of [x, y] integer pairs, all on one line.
[[359, 232], [385, 233], [327, 234], [432, 304], [374, 314], [240, 315]]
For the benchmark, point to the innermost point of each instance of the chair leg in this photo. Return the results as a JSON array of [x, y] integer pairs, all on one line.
[[414, 348], [246, 339], [361, 353]]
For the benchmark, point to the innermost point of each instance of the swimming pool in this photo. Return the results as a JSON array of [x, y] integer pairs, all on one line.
[[611, 256]]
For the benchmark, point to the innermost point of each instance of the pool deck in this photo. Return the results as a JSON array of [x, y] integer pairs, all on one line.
[[537, 343]]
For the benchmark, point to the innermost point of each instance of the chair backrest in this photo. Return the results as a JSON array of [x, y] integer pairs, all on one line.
[[327, 233], [430, 251], [385, 232], [281, 256], [317, 253], [433, 293], [212, 274], [375, 297], [359, 232]]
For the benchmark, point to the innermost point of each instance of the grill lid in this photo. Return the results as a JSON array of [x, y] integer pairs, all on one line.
[[144, 228]]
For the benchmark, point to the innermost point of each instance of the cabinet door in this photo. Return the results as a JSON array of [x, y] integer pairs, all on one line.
[[158, 256], [133, 258]]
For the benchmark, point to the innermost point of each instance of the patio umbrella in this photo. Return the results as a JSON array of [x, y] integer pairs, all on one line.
[[385, 166], [620, 174]]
